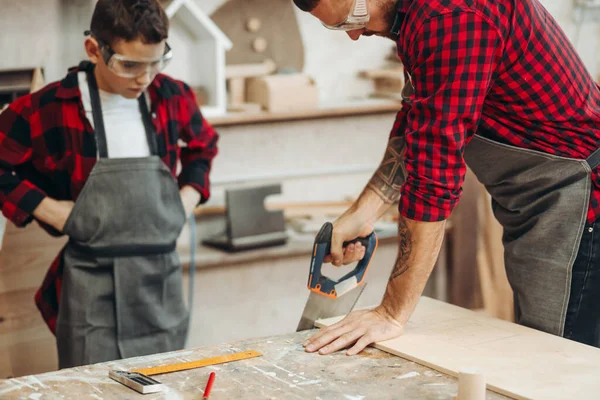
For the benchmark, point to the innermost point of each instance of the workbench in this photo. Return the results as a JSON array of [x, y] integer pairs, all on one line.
[[284, 371]]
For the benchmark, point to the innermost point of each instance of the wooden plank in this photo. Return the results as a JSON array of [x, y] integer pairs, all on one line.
[[517, 361], [389, 73], [18, 311], [496, 292], [26, 343], [25, 256], [28, 351], [465, 288], [301, 208], [250, 70]]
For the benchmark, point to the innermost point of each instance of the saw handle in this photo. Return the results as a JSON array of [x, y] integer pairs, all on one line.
[[326, 286]]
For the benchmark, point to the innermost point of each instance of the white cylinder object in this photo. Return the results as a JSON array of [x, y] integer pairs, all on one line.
[[471, 385]]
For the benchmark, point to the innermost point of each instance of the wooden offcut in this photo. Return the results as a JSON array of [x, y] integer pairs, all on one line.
[[517, 361], [283, 93]]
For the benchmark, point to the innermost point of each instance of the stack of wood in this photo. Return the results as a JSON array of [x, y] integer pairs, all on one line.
[[255, 87]]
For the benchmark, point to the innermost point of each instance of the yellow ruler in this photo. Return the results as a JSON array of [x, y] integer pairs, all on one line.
[[164, 369]]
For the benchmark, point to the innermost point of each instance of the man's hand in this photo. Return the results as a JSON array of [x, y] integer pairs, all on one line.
[[351, 225], [190, 199], [359, 328], [54, 213]]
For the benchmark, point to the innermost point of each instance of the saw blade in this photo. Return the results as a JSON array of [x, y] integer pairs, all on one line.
[[319, 307]]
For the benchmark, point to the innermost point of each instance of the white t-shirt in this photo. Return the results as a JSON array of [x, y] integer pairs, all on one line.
[[125, 134]]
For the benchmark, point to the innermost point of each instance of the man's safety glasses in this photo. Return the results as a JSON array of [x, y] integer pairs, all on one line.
[[357, 19], [127, 67]]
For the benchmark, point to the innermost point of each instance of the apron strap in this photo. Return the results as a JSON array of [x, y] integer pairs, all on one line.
[[99, 130], [148, 125], [594, 159], [97, 113]]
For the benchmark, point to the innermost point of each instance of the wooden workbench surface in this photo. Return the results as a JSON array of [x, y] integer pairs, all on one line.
[[284, 371]]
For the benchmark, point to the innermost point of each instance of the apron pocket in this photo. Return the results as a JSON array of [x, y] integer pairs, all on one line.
[[151, 312], [74, 215]]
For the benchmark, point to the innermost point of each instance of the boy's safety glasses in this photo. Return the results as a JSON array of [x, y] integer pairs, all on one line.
[[127, 67]]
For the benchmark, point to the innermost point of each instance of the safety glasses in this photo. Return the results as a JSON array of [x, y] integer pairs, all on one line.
[[127, 67], [357, 19]]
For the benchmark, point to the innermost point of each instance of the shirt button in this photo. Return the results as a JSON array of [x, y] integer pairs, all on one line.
[[590, 229], [154, 115]]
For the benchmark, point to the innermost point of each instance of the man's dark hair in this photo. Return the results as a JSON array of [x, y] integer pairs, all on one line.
[[306, 5], [130, 20]]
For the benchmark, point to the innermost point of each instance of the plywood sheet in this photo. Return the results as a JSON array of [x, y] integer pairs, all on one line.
[[517, 361]]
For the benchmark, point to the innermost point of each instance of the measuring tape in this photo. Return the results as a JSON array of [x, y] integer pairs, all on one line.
[[164, 369]]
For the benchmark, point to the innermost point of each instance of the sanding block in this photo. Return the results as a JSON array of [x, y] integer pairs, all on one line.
[[329, 297]]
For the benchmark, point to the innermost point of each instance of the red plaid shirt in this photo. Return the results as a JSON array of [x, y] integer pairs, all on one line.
[[503, 69], [47, 148]]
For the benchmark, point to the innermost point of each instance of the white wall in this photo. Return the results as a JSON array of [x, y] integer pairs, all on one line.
[[37, 32]]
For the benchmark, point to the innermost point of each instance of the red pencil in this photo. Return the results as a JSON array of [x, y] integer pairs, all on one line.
[[209, 384]]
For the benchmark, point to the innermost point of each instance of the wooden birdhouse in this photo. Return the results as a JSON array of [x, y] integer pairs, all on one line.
[[200, 61]]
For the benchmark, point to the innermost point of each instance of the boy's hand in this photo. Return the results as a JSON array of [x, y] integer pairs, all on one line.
[[190, 199], [54, 213]]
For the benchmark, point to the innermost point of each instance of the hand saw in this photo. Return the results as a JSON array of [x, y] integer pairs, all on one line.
[[328, 297]]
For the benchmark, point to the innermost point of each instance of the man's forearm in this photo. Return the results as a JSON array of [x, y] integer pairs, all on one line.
[[418, 248], [390, 176], [418, 242], [383, 189]]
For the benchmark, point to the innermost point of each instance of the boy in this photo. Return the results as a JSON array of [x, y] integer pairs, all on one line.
[[106, 137]]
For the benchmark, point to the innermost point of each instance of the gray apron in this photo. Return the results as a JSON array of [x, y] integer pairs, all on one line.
[[121, 292], [541, 201]]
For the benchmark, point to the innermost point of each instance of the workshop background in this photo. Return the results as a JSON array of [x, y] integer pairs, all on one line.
[[303, 115]]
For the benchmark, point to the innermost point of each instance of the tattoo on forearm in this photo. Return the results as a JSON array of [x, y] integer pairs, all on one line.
[[404, 249], [391, 174]]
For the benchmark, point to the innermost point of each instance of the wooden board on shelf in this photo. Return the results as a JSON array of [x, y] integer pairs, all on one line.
[[517, 361], [354, 109]]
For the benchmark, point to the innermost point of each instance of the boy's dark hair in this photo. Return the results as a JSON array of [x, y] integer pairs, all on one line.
[[306, 5], [130, 20]]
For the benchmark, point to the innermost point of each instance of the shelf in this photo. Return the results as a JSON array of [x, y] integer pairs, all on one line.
[[351, 108]]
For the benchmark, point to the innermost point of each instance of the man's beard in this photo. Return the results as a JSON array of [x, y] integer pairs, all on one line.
[[388, 35], [389, 15]]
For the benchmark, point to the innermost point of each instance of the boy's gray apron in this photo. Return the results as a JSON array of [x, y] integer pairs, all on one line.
[[541, 200], [121, 293]]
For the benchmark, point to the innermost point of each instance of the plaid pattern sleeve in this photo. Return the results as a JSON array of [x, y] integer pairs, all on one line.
[[18, 196], [399, 127], [452, 61], [201, 140]]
